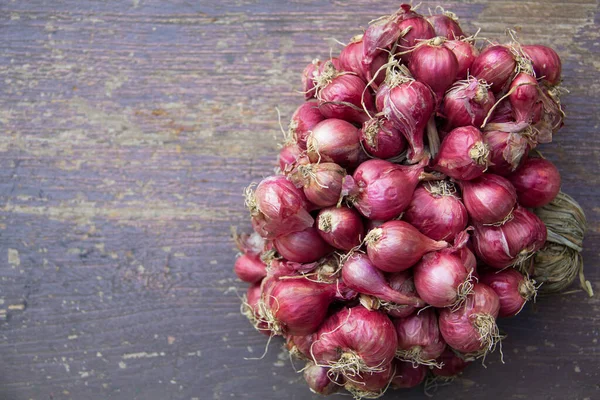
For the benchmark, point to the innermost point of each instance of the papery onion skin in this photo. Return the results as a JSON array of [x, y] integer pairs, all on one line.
[[381, 139], [251, 310], [250, 268], [318, 379], [341, 227], [299, 345], [370, 385], [335, 140], [384, 189], [351, 59], [408, 375], [508, 151], [417, 29], [359, 274], [437, 211], [465, 54], [463, 155], [446, 26], [488, 199], [397, 245], [302, 247], [451, 364], [278, 208], [308, 76], [297, 306], [322, 182], [342, 95], [370, 335], [510, 243], [439, 277], [435, 65], [409, 106], [546, 63], [523, 97], [458, 327], [496, 65], [382, 33], [290, 155], [304, 119], [401, 282], [467, 103], [537, 182], [419, 338], [513, 290]]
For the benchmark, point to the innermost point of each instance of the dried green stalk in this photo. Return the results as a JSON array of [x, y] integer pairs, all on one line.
[[559, 262]]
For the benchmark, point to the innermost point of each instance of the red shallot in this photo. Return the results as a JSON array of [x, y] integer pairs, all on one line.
[[397, 245], [467, 102], [463, 155], [546, 63], [513, 289], [472, 328], [335, 140], [512, 243], [302, 247], [437, 211], [537, 182], [419, 338], [277, 208], [489, 199], [341, 227], [381, 139], [322, 183]]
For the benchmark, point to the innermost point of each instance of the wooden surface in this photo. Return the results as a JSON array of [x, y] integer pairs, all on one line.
[[128, 130]]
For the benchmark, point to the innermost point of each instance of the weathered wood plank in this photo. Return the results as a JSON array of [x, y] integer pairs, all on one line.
[[129, 130]]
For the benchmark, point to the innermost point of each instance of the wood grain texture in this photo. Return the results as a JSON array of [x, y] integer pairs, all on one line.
[[128, 131]]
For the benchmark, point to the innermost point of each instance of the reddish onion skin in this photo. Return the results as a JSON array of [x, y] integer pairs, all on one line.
[[409, 106], [382, 33], [537, 182], [513, 290], [370, 385], [289, 156], [335, 140], [507, 151], [419, 338], [299, 346], [370, 335], [250, 268], [298, 306], [397, 245], [419, 29], [408, 375], [340, 227], [308, 76], [489, 199], [438, 278], [381, 139], [351, 59], [278, 208], [437, 212], [384, 189], [463, 154], [467, 103], [468, 259], [435, 65], [402, 282], [302, 247], [343, 88], [304, 119], [322, 182], [451, 364], [524, 96], [458, 327], [546, 63], [505, 245], [251, 309], [465, 54], [445, 26], [359, 274], [319, 381], [496, 65]]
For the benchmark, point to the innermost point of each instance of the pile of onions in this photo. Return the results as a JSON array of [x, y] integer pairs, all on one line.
[[399, 227]]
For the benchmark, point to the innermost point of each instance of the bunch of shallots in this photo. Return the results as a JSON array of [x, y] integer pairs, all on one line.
[[400, 224]]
